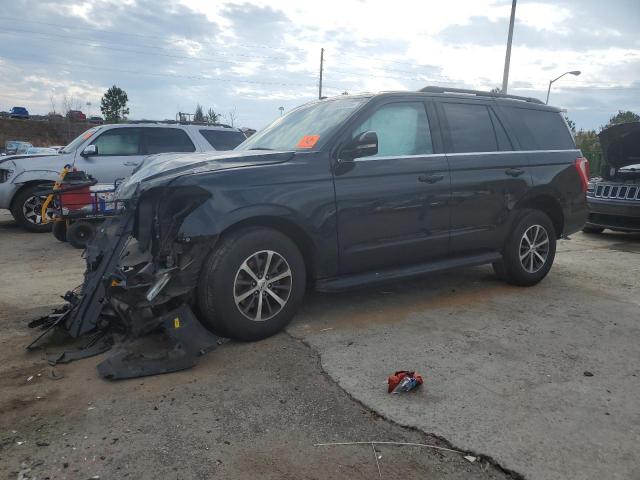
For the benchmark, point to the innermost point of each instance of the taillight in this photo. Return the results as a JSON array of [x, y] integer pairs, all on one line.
[[582, 165]]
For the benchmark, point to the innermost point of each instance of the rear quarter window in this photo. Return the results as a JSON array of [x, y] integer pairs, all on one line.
[[541, 129], [223, 139]]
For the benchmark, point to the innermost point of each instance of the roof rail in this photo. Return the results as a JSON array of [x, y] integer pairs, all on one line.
[[174, 122], [478, 93]]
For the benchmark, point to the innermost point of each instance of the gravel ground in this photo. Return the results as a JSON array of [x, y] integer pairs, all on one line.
[[252, 410]]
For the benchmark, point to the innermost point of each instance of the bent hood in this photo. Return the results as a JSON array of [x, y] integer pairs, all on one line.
[[161, 168], [52, 162], [621, 144]]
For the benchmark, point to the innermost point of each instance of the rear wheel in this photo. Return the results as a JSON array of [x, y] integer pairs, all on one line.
[[530, 250], [252, 284], [79, 233], [27, 209], [590, 229], [59, 230]]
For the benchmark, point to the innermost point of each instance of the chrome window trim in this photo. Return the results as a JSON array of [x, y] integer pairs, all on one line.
[[428, 155]]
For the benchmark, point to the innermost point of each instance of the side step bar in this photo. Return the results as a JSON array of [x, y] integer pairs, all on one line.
[[369, 278]]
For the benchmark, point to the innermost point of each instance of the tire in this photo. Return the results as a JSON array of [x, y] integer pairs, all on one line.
[[233, 270], [59, 230], [534, 265], [592, 230], [25, 208], [79, 233]]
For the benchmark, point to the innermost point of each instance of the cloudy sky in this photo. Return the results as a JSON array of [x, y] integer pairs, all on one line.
[[256, 56]]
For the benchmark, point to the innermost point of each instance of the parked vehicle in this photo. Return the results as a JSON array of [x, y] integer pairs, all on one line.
[[40, 151], [107, 152], [346, 192], [76, 116], [16, 147], [96, 120], [19, 112], [614, 198]]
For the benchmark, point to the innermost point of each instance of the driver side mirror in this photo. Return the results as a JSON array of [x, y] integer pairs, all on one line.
[[89, 151], [363, 145]]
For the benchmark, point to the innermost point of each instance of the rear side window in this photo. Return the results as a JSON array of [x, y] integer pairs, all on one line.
[[541, 130], [164, 140], [223, 139], [470, 128]]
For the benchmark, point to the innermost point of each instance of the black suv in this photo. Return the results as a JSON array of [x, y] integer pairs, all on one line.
[[340, 193]]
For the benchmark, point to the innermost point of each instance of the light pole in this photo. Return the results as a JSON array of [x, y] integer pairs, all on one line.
[[572, 72], [88, 109], [281, 110], [507, 57]]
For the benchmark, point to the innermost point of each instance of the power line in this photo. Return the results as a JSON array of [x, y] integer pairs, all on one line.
[[3, 30], [142, 35], [171, 75]]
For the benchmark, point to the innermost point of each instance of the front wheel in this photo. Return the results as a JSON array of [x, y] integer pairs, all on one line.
[[79, 233], [27, 209], [252, 284], [530, 250]]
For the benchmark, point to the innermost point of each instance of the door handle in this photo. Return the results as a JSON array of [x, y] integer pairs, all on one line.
[[431, 178], [514, 172], [130, 164]]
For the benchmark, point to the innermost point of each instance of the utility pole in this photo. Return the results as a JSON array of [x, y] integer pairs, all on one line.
[[507, 58], [321, 65]]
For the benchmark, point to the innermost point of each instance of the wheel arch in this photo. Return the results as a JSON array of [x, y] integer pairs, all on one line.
[[24, 186], [290, 229], [547, 204]]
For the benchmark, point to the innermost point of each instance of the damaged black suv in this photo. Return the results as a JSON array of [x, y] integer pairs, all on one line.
[[339, 193], [614, 199]]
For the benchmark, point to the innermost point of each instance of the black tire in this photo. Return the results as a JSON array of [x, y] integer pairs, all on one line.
[[592, 230], [222, 281], [59, 230], [24, 213], [79, 233], [512, 269]]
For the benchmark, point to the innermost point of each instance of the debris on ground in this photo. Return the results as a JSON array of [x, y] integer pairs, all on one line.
[[588, 374], [403, 381]]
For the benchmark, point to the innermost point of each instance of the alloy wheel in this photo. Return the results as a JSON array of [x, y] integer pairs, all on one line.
[[262, 285], [534, 248], [32, 209]]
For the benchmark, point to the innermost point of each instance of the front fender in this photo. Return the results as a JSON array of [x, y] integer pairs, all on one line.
[[208, 220], [35, 176]]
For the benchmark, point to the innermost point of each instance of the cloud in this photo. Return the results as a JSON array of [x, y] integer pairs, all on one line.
[[257, 56]]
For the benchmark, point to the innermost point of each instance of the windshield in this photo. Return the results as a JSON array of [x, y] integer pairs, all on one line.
[[305, 128], [78, 140]]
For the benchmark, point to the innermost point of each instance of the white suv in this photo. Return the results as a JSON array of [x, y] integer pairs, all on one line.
[[108, 153]]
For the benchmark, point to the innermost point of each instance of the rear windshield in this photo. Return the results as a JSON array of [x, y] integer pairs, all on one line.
[[541, 129], [223, 139]]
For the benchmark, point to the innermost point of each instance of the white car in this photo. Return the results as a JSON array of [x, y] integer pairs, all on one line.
[[108, 153]]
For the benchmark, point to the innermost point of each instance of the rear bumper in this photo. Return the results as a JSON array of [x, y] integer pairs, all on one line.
[[614, 214]]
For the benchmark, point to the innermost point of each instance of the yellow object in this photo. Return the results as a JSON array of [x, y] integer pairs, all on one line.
[[56, 186], [176, 322]]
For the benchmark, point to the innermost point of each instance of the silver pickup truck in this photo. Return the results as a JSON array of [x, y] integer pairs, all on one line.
[[108, 153]]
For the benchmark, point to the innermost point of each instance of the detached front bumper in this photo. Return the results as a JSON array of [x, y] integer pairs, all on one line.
[[614, 214]]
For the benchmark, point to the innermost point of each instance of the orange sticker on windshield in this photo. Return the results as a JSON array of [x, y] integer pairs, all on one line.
[[308, 141]]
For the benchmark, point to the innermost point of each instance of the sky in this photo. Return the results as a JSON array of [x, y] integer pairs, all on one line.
[[253, 57]]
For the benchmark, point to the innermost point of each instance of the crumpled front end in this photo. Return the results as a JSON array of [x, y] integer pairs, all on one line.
[[141, 277], [158, 267]]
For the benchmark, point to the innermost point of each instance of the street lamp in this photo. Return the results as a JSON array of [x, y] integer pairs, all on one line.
[[281, 110], [572, 72]]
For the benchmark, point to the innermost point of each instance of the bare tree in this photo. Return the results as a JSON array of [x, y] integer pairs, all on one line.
[[52, 104], [231, 116]]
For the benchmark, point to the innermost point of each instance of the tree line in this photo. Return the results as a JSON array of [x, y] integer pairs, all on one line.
[[589, 143]]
